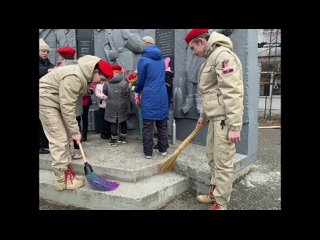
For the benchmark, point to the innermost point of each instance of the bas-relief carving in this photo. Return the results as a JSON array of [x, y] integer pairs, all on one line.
[[187, 102], [191, 74], [57, 38], [123, 47]]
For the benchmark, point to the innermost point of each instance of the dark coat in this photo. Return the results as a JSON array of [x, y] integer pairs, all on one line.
[[44, 65], [117, 90], [169, 85]]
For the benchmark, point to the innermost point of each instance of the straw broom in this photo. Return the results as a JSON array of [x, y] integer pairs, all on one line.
[[171, 161], [95, 181]]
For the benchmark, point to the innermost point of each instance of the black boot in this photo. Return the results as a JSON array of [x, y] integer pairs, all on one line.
[[43, 151], [84, 138], [104, 136], [113, 141]]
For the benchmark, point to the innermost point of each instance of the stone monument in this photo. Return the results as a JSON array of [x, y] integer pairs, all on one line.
[[57, 38], [122, 46]]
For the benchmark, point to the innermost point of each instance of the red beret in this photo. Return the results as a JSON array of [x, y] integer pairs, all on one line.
[[195, 32], [67, 51], [106, 69], [116, 67]]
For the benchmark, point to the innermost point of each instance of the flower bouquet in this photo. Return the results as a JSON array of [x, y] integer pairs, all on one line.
[[132, 79]]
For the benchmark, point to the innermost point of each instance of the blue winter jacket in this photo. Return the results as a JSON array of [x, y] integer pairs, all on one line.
[[151, 84]]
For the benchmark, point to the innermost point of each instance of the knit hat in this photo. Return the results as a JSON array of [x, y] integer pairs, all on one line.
[[105, 68], [147, 41], [43, 45], [193, 33], [67, 51]]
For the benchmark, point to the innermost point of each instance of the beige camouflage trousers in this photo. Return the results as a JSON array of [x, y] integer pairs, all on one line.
[[56, 133], [220, 154]]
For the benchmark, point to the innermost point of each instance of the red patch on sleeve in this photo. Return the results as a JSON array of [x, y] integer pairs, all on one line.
[[225, 67]]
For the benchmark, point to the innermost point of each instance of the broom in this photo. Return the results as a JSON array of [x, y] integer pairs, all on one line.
[[95, 181], [171, 161]]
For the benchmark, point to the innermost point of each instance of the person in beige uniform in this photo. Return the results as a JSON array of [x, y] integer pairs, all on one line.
[[58, 93], [68, 58], [221, 92]]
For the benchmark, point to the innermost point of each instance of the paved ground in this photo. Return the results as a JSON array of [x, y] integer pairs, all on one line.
[[258, 190]]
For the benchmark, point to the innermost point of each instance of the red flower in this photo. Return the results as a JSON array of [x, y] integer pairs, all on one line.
[[132, 79]]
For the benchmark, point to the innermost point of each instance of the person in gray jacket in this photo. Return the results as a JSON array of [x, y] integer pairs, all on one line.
[[117, 90]]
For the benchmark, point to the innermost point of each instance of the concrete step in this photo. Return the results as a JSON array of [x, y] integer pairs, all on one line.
[[150, 193], [193, 163], [119, 173], [126, 162]]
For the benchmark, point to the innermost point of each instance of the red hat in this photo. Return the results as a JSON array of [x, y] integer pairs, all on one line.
[[67, 51], [105, 68], [195, 32], [116, 67]]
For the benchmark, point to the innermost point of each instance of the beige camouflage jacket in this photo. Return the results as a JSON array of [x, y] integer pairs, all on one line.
[[221, 83], [62, 87]]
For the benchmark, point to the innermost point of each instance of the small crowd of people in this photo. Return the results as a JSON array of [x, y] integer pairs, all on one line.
[[65, 97]]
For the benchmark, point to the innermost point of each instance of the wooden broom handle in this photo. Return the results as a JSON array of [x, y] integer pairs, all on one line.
[[193, 134], [188, 139], [82, 152]]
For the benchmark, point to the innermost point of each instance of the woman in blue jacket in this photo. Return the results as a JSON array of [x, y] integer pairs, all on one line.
[[154, 99]]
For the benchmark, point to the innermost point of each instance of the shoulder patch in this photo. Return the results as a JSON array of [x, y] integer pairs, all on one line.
[[225, 67]]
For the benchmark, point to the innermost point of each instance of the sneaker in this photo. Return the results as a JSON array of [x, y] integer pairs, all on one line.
[[207, 198], [162, 153], [122, 138], [217, 206], [76, 154], [148, 157], [113, 142]]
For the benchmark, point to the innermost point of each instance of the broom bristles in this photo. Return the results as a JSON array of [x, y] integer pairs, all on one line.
[[100, 183], [171, 161], [95, 181]]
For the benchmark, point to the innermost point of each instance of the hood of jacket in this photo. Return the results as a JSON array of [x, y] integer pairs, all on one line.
[[87, 64], [152, 52], [116, 78], [218, 39]]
